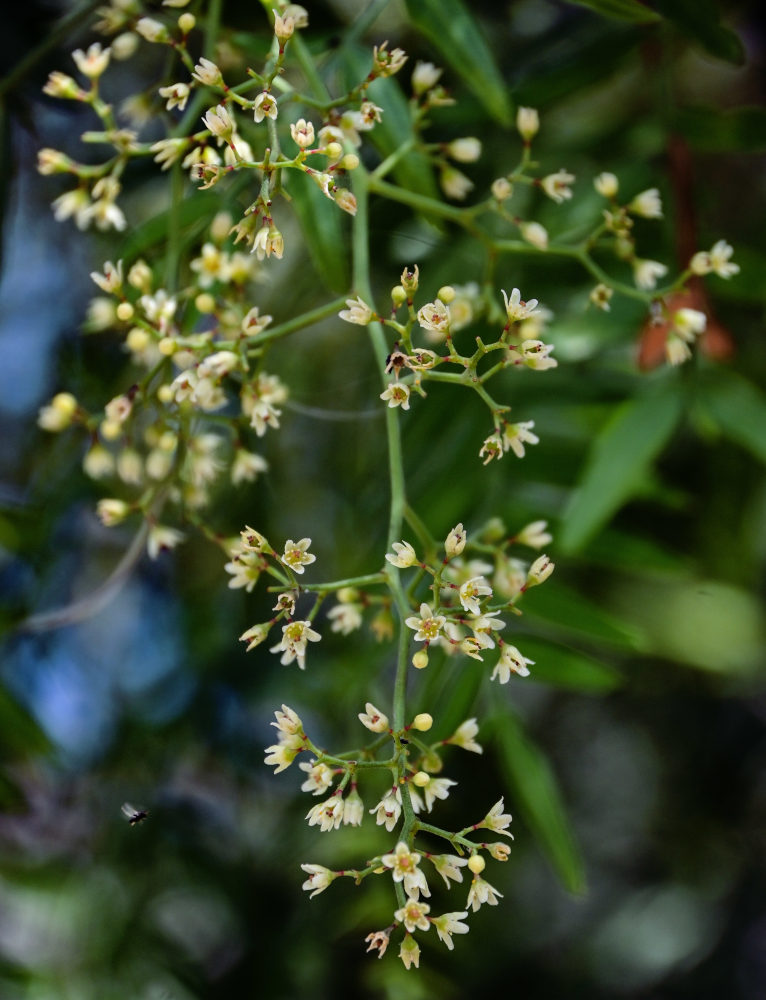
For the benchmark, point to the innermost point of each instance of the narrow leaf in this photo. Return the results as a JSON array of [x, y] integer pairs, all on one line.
[[621, 10], [701, 20], [453, 32], [567, 668], [536, 795], [618, 461], [739, 409], [569, 611], [322, 229]]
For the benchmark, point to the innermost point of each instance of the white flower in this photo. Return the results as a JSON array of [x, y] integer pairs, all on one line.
[[434, 316], [295, 635], [454, 183], [689, 323], [534, 234], [484, 625], [600, 296], [413, 915], [534, 354], [245, 568], [448, 866], [302, 133], [161, 539], [482, 892], [328, 815], [288, 722], [246, 466], [677, 351], [404, 868], [403, 555], [534, 535], [492, 448], [111, 511], [388, 810], [353, 808], [397, 394], [208, 73], [511, 661], [424, 76], [465, 150], [716, 259], [151, 30], [358, 312], [527, 123], [455, 541], [373, 719], [471, 593], [255, 636], [296, 555], [428, 626], [318, 879], [93, 62], [516, 309], [606, 184], [647, 204], [177, 94], [409, 952], [437, 788], [378, 941], [219, 121], [253, 322], [58, 414], [448, 924], [464, 736], [496, 819], [319, 779], [345, 617], [515, 436], [281, 756], [539, 571], [264, 107], [647, 272], [556, 186], [387, 63]]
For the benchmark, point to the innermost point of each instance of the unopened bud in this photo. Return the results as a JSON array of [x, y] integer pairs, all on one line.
[[446, 293], [186, 23], [420, 660], [421, 779], [477, 864], [455, 541], [125, 311], [422, 722]]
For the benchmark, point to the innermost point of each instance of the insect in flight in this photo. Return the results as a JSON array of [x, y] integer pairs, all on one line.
[[133, 815]]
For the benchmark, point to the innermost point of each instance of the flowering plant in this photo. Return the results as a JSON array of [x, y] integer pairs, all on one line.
[[266, 152]]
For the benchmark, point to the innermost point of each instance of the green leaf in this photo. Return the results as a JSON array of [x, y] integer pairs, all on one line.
[[537, 797], [622, 10], [701, 20], [568, 611], [618, 462], [739, 409], [194, 213], [568, 668], [711, 130], [321, 223], [453, 32]]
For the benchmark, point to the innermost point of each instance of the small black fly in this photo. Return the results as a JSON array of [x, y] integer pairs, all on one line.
[[133, 815]]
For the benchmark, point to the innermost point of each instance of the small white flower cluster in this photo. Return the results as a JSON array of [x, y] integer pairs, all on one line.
[[441, 626]]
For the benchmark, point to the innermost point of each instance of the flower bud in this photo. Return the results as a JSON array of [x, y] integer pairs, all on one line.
[[167, 346], [493, 530], [186, 23], [151, 30], [111, 511], [422, 722], [421, 779], [466, 150], [398, 296], [420, 659], [125, 311], [166, 394], [205, 302], [347, 595], [455, 541], [424, 76], [333, 150], [606, 184], [350, 161], [535, 234], [446, 293], [528, 123], [58, 414], [502, 189], [477, 864]]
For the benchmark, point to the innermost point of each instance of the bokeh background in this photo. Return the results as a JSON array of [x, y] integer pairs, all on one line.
[[632, 758]]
